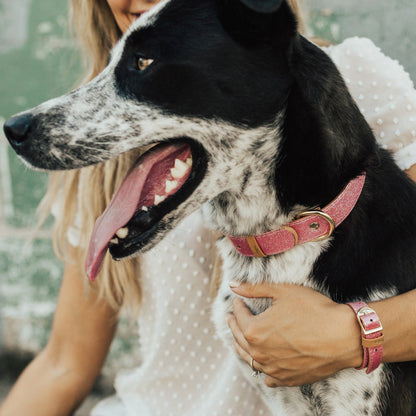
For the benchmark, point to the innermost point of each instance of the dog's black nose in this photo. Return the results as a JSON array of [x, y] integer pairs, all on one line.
[[16, 129]]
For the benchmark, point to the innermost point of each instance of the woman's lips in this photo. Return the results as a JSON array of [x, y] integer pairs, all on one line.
[[137, 14]]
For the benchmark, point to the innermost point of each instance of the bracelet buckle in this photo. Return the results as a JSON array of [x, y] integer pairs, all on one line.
[[366, 310]]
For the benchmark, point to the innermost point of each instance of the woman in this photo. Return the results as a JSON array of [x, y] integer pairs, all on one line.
[[185, 370]]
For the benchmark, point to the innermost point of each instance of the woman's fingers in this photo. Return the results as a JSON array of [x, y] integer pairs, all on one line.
[[271, 382], [251, 362], [246, 330], [242, 314], [237, 333], [288, 341], [263, 290]]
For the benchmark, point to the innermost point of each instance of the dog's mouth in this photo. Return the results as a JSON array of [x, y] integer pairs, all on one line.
[[160, 180]]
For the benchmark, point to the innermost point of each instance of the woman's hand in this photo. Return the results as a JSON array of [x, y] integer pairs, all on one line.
[[302, 337]]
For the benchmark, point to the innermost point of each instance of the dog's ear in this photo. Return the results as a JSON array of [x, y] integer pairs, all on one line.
[[263, 6], [254, 22], [324, 130]]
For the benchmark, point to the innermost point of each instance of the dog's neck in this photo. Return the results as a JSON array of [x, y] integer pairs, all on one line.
[[253, 211], [250, 205]]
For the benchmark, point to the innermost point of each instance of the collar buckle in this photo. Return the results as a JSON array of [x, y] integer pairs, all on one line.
[[323, 215]]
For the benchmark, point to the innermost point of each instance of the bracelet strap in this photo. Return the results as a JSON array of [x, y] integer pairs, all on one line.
[[371, 335]]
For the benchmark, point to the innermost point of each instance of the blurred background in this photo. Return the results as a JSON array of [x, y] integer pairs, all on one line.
[[38, 61]]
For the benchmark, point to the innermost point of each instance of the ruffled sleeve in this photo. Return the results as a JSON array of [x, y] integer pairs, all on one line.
[[384, 93]]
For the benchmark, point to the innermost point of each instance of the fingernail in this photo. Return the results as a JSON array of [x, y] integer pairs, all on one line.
[[234, 283]]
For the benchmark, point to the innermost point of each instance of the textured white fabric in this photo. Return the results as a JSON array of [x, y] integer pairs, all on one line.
[[384, 93], [186, 370]]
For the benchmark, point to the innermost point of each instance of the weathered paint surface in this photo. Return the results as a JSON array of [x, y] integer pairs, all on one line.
[[389, 24]]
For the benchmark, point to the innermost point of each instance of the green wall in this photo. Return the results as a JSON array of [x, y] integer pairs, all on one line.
[[37, 62], [33, 68], [390, 24]]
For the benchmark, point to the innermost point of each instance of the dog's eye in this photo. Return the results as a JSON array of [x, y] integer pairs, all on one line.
[[143, 63]]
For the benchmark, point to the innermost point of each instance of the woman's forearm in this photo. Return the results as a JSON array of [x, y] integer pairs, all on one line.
[[45, 389], [398, 317], [59, 378]]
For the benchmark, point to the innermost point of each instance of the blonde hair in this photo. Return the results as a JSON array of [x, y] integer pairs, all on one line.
[[93, 24], [84, 194]]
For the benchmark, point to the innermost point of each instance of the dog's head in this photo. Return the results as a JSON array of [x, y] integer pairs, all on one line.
[[183, 61], [208, 82], [202, 80]]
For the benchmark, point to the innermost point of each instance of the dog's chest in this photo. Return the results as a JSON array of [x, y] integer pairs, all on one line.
[[293, 267], [350, 392]]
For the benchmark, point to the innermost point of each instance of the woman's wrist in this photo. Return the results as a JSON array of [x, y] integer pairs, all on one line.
[[399, 329], [398, 317], [350, 338]]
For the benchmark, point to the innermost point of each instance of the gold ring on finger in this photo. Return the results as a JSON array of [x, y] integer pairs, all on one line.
[[255, 372]]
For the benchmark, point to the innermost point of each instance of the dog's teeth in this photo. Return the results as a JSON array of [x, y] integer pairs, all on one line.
[[114, 241], [122, 233], [144, 208], [179, 170], [159, 199], [170, 186], [176, 174], [189, 161], [180, 165]]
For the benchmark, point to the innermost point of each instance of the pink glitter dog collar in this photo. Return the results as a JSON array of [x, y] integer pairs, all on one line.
[[310, 226]]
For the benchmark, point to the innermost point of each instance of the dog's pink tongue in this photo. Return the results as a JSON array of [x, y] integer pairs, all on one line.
[[124, 204]]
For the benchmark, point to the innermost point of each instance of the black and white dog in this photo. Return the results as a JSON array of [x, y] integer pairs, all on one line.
[[254, 123]]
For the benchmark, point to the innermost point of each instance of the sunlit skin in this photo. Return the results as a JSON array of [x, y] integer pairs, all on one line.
[[127, 11]]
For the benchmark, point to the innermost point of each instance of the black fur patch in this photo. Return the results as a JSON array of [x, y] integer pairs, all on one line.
[[188, 67]]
